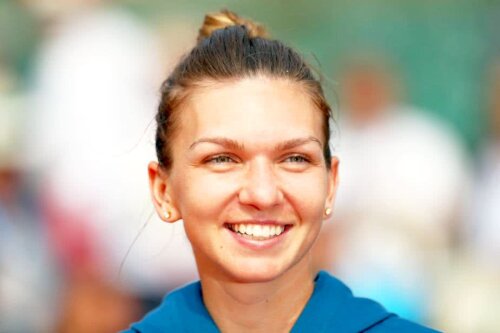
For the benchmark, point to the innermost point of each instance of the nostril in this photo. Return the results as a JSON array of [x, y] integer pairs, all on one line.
[[261, 197]]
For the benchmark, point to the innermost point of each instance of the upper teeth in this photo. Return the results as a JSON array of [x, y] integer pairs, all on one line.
[[258, 230]]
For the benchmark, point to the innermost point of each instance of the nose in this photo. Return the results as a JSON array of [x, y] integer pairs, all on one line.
[[261, 188]]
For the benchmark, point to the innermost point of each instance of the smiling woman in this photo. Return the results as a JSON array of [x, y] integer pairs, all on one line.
[[243, 159], [248, 154]]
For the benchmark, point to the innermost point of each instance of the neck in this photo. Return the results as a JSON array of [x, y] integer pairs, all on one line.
[[272, 306]]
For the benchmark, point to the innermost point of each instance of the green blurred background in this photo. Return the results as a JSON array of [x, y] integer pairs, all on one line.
[[442, 48]]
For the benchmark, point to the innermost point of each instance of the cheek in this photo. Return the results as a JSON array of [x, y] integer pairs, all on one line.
[[307, 193], [204, 196]]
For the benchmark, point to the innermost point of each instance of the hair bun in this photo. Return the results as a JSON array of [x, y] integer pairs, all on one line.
[[226, 18]]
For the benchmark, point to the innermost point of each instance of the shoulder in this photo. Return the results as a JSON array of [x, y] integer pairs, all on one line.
[[396, 324], [181, 311], [333, 308]]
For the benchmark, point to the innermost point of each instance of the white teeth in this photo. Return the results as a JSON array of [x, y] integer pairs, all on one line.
[[257, 230], [265, 231]]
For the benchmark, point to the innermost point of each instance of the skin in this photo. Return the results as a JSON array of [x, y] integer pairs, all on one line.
[[249, 150]]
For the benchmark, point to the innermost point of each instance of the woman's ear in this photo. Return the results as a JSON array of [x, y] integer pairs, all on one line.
[[161, 193], [333, 182]]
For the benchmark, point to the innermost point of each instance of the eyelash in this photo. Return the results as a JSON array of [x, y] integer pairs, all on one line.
[[302, 159], [217, 159]]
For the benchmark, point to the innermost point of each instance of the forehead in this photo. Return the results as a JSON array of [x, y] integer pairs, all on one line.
[[257, 108]]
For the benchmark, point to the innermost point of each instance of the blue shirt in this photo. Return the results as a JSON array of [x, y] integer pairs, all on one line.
[[331, 308]]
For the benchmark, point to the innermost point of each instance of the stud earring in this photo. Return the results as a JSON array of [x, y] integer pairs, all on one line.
[[328, 211], [166, 213]]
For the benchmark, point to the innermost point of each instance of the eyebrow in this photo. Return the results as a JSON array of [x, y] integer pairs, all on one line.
[[221, 141], [233, 144], [292, 143]]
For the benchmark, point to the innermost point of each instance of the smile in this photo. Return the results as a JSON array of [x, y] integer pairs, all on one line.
[[257, 231]]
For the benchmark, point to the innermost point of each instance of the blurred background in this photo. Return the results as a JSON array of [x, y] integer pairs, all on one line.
[[416, 90]]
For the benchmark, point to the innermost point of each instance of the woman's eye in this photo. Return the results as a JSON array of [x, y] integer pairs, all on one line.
[[220, 159], [296, 159]]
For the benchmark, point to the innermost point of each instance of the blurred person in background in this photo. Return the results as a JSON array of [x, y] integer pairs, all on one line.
[[475, 279], [28, 273], [403, 179], [94, 96], [484, 222]]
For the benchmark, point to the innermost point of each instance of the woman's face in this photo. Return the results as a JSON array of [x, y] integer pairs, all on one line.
[[248, 177]]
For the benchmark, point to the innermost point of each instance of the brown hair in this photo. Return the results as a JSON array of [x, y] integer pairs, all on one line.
[[230, 47]]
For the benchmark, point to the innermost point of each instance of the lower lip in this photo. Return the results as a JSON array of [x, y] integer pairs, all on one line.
[[259, 244]]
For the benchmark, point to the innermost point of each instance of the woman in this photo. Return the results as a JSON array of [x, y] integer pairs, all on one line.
[[243, 159]]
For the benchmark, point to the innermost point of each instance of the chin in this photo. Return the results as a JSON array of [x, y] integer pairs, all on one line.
[[257, 272]]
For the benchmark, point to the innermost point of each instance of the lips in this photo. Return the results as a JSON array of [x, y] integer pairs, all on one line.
[[257, 231]]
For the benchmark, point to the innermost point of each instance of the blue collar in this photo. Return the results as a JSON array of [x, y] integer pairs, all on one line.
[[332, 307]]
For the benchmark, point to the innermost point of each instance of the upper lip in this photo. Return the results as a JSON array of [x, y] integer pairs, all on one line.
[[259, 221]]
